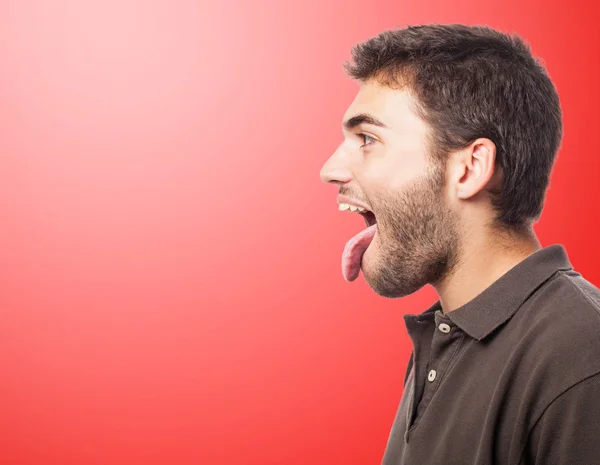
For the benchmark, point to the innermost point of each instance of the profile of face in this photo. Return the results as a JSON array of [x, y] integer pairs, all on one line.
[[384, 165]]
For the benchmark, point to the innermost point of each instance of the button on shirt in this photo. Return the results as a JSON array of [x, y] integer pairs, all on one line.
[[510, 378]]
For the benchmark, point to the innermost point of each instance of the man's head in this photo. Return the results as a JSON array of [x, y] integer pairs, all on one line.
[[454, 129]]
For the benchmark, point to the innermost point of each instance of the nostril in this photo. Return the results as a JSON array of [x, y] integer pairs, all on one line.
[[336, 175]]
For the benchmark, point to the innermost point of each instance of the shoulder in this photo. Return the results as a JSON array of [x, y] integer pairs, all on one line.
[[567, 307], [557, 334], [568, 428], [587, 292], [566, 310]]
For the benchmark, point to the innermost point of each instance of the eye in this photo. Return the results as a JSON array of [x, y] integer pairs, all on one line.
[[365, 138]]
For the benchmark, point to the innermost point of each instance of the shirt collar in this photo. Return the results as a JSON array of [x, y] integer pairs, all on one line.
[[499, 302]]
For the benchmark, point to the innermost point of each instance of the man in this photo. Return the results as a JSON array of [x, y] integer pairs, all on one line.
[[447, 153]]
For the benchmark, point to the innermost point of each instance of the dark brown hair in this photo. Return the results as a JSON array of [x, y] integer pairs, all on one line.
[[472, 82]]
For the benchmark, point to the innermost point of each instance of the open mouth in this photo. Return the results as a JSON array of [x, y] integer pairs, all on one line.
[[367, 214], [369, 217], [356, 247]]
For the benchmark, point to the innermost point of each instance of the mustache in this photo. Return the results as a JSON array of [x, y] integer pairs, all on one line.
[[352, 195]]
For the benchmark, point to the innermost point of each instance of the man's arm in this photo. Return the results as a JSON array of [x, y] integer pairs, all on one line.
[[568, 432]]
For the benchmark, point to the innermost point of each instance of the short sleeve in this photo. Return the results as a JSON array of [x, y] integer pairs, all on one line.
[[568, 432]]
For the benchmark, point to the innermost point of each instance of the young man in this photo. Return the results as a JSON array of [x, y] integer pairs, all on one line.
[[447, 153]]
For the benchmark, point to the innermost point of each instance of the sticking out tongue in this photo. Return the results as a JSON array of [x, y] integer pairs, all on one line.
[[353, 252]]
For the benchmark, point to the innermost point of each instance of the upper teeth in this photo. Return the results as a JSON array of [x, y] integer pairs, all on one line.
[[352, 208]]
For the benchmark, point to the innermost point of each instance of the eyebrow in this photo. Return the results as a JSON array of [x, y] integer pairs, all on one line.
[[363, 118]]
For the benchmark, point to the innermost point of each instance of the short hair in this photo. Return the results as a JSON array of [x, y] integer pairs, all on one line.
[[471, 82]]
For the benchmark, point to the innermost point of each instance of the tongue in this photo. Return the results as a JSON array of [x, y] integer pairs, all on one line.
[[353, 252]]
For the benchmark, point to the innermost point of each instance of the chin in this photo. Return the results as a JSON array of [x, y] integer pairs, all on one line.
[[389, 286], [394, 292]]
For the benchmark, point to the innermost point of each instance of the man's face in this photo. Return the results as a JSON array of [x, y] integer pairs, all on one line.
[[388, 169]]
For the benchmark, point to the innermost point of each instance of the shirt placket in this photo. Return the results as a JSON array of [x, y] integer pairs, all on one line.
[[420, 329], [445, 342]]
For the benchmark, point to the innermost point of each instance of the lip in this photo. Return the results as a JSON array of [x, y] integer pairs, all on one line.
[[349, 201]]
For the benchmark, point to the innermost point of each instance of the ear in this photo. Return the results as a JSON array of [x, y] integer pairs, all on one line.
[[472, 168]]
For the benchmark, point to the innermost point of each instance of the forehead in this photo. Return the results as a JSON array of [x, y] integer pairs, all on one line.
[[392, 107]]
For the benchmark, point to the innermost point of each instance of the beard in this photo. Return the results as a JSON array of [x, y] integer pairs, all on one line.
[[417, 239]]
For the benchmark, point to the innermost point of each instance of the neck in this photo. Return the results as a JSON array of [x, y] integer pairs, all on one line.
[[484, 258]]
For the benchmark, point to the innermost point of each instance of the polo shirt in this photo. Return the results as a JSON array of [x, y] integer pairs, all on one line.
[[511, 377]]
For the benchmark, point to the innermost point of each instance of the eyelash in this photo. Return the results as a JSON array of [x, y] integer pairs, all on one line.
[[364, 137]]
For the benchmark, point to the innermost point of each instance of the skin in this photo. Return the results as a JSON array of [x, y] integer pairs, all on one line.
[[434, 222]]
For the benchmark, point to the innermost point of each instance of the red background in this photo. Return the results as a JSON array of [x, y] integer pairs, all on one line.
[[170, 289]]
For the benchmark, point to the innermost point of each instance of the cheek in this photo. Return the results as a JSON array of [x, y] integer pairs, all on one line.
[[394, 171], [379, 177]]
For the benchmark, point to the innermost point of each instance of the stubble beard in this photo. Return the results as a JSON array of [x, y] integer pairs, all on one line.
[[418, 240]]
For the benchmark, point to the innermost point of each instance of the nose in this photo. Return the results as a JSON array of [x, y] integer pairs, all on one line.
[[335, 170]]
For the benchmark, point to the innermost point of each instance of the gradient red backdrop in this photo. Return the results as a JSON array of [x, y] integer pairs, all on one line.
[[171, 290]]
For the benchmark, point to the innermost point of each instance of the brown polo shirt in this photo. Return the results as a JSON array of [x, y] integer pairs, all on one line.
[[510, 378]]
